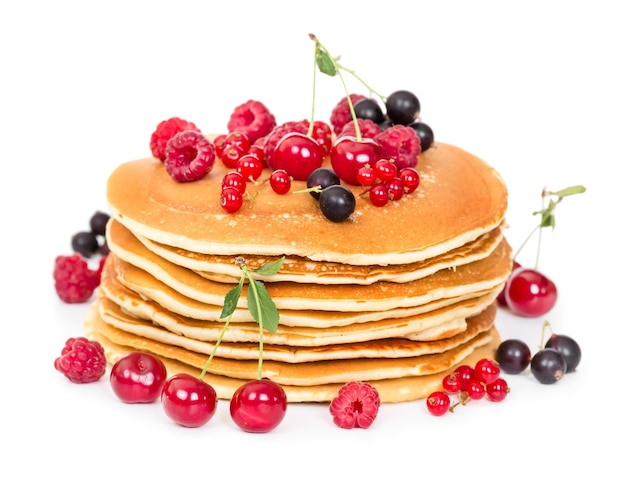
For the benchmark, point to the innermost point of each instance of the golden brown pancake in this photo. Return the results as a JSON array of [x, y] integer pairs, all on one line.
[[459, 199]]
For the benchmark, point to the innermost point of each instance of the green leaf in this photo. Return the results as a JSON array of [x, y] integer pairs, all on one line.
[[270, 268], [568, 191], [230, 300], [324, 62], [264, 310]]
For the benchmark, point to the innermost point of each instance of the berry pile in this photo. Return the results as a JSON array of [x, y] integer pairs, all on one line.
[[468, 383], [560, 354], [386, 183]]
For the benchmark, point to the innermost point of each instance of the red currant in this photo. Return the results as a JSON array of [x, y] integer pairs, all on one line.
[[497, 390], [188, 401], [220, 143], [231, 155], [238, 139], [386, 170], [138, 377], [474, 389], [366, 176], [348, 155], [452, 383], [466, 373], [280, 181], [486, 370], [322, 133], [258, 405], [529, 293], [298, 154], [395, 189], [438, 403], [231, 199], [236, 180], [410, 179], [379, 195], [250, 167]]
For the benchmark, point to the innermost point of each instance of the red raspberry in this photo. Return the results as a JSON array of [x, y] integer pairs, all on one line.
[[279, 132], [356, 405], [81, 360], [341, 112], [74, 281], [189, 156], [401, 144], [253, 119], [368, 128], [165, 131]]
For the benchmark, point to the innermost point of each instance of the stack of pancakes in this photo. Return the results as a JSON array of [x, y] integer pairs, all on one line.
[[397, 296]]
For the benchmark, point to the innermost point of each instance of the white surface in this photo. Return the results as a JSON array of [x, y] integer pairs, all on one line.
[[534, 88]]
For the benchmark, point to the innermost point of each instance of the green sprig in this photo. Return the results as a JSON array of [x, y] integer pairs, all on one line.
[[548, 220]]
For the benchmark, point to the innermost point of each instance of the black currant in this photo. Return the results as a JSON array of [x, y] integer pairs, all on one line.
[[425, 134], [548, 366], [321, 178], [85, 243], [369, 109], [98, 223], [568, 347], [337, 203], [403, 107], [513, 356]]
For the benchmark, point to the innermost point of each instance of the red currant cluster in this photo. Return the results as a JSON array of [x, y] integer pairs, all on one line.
[[469, 383], [386, 183]]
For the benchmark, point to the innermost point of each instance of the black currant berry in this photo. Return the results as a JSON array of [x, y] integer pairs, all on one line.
[[322, 178], [513, 356], [403, 107], [98, 223], [425, 134], [369, 109], [337, 203], [85, 243], [568, 348], [548, 366]]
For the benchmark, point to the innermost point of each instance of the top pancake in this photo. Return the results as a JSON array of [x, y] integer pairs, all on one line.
[[459, 199]]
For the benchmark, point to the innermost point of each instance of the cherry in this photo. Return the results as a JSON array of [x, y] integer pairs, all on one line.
[[513, 356], [497, 390], [502, 294], [348, 155], [438, 403], [529, 293], [280, 181], [188, 401], [138, 377], [486, 370], [298, 154], [258, 405]]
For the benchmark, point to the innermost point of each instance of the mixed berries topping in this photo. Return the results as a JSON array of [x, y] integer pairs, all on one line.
[[81, 360], [355, 406]]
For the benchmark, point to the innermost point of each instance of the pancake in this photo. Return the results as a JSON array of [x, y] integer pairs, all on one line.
[[459, 199]]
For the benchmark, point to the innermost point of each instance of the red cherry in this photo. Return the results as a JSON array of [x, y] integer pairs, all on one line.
[[298, 154], [258, 405], [138, 377], [348, 155], [188, 401], [501, 297], [529, 293]]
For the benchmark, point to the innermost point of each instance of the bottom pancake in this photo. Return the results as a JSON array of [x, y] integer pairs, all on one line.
[[117, 343]]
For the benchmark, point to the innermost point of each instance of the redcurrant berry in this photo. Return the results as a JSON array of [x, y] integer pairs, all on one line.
[[280, 181], [486, 370], [366, 176], [250, 167], [379, 195], [231, 199], [386, 170], [452, 383], [234, 179], [438, 403], [410, 179], [497, 390], [395, 189]]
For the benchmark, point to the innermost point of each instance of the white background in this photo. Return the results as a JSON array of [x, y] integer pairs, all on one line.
[[534, 88]]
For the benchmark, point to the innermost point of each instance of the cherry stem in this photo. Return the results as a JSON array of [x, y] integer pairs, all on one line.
[[545, 325], [255, 294], [317, 188], [310, 131], [353, 73]]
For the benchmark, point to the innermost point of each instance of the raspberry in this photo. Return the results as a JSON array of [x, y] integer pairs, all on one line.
[[189, 156], [368, 128], [279, 132], [253, 119], [165, 131], [341, 112], [81, 360], [356, 405], [401, 144], [74, 281]]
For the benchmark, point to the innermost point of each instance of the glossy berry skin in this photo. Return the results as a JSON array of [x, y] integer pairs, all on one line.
[[322, 178], [451, 383], [348, 155], [258, 406], [410, 179], [138, 377], [369, 109], [98, 222], [188, 401], [425, 134], [568, 347], [502, 294], [486, 370], [403, 107], [337, 203], [379, 194], [280, 181], [475, 389], [438, 403], [466, 373], [299, 155], [529, 293], [513, 356], [548, 366], [497, 390], [231, 199], [85, 243]]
